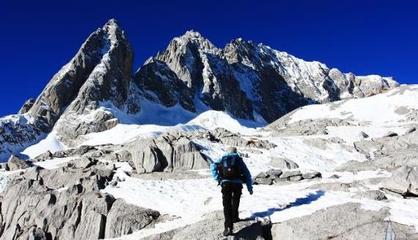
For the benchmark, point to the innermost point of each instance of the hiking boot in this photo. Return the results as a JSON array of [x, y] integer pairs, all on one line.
[[227, 232]]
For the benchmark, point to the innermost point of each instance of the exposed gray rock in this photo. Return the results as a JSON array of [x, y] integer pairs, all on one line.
[[295, 178], [16, 163], [347, 221], [389, 162], [279, 177], [311, 175], [304, 127], [289, 174], [332, 186], [213, 76], [66, 203], [391, 134], [233, 139], [156, 77], [48, 155], [16, 133], [404, 181], [410, 130], [211, 227], [263, 180], [27, 106], [166, 152], [274, 173], [283, 163], [4, 166], [387, 153], [371, 194], [363, 134], [100, 71], [125, 219]]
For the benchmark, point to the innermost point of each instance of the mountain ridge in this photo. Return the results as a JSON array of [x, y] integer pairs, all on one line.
[[247, 80]]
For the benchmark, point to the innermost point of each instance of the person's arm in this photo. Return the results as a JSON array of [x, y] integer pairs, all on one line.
[[247, 176], [214, 171]]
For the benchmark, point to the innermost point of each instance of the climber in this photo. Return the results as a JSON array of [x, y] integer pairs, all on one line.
[[231, 172]]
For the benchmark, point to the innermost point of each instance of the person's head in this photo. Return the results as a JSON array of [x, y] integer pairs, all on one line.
[[231, 150]]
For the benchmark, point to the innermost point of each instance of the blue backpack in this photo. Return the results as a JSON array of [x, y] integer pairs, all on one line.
[[228, 167]]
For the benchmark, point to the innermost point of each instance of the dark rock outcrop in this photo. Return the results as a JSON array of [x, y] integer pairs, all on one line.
[[247, 79], [26, 106], [16, 163]]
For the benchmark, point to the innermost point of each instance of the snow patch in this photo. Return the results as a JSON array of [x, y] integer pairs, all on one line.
[[50, 143], [376, 110]]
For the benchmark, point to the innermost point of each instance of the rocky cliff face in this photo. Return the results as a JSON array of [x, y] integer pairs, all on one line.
[[99, 72], [247, 80], [250, 80]]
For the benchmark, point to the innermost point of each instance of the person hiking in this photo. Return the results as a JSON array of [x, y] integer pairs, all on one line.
[[231, 172]]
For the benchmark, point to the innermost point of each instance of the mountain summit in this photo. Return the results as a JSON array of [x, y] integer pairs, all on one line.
[[97, 89]]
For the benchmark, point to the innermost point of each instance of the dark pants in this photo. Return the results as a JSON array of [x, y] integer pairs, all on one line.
[[231, 194]]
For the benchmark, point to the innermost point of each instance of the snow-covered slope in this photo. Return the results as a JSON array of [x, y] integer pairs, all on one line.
[[392, 107]]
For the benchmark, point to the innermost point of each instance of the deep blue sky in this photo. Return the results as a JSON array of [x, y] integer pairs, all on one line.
[[364, 37]]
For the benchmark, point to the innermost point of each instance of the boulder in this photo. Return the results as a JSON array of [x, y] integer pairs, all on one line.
[[125, 219], [347, 221], [263, 181], [391, 134], [166, 153], [48, 155], [16, 163], [283, 163], [274, 173], [3, 166], [66, 203], [411, 130], [311, 175], [234, 139], [295, 178], [363, 134], [404, 181], [289, 174], [371, 194]]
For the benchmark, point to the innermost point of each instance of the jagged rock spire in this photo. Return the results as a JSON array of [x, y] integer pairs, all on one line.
[[99, 71]]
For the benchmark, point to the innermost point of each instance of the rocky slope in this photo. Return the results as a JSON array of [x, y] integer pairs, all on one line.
[[340, 174], [96, 89]]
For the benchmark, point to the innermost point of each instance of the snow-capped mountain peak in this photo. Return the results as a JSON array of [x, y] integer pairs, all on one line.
[[247, 80]]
